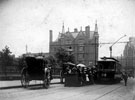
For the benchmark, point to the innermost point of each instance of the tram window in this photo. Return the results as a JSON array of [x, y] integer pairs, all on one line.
[[106, 65], [111, 65], [100, 66]]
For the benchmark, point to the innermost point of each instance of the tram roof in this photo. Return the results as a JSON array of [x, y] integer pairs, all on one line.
[[108, 59]]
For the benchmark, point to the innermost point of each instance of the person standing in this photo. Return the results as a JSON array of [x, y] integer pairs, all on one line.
[[125, 77], [90, 76]]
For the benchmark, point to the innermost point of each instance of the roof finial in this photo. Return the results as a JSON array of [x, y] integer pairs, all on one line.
[[96, 28], [63, 30]]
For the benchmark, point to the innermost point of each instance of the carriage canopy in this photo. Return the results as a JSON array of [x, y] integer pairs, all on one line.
[[35, 65]]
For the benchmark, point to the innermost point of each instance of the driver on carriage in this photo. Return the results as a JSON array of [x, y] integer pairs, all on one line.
[[48, 71]]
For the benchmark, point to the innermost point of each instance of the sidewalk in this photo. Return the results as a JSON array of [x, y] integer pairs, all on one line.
[[17, 83]]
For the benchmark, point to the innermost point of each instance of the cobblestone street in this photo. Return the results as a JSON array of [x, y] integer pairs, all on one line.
[[59, 92]]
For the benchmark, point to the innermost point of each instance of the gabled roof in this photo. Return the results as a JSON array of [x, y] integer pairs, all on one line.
[[78, 34], [74, 34], [69, 34], [81, 33]]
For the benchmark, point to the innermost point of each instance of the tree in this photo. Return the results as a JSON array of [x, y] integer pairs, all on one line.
[[52, 61], [62, 57], [6, 58], [71, 58]]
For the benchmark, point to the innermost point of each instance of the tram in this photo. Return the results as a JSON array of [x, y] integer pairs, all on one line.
[[108, 70]]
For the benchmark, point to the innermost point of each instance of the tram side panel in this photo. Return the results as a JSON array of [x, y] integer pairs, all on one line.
[[108, 72]]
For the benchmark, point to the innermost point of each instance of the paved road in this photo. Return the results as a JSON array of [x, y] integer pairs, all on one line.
[[17, 83], [59, 92]]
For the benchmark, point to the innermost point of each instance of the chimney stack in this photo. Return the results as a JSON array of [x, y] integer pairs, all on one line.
[[87, 30], [51, 36], [75, 30]]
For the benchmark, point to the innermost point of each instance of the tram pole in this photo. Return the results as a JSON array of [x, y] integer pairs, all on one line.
[[113, 44], [96, 49]]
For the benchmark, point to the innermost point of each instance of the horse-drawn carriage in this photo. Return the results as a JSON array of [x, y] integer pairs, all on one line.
[[36, 69]]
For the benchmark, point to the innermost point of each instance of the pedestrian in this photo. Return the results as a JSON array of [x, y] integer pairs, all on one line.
[[125, 77], [90, 76], [94, 72], [83, 75]]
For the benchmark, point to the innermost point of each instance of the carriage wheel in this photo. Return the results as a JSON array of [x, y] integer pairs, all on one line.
[[46, 83], [24, 80]]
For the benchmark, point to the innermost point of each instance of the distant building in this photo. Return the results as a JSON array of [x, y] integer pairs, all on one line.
[[36, 54], [82, 44], [129, 53], [129, 50]]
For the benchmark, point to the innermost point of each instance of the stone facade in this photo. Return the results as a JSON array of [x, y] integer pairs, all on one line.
[[129, 53], [82, 44]]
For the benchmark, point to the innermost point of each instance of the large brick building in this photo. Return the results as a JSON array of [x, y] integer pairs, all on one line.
[[83, 44]]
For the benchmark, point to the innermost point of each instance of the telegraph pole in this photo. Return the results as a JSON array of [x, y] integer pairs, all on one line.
[[95, 52], [96, 49]]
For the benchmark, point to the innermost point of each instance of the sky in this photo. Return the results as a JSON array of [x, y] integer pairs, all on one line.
[[27, 22]]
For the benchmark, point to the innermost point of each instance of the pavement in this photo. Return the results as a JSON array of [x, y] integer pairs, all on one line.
[[17, 83]]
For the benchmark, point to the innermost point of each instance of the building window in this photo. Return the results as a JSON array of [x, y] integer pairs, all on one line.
[[68, 41], [80, 56], [80, 41], [81, 48]]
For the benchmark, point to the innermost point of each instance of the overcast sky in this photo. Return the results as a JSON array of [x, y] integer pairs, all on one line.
[[29, 21]]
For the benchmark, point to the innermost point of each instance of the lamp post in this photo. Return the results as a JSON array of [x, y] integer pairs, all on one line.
[[113, 44]]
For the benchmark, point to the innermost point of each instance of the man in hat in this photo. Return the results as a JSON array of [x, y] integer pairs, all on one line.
[[125, 77]]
